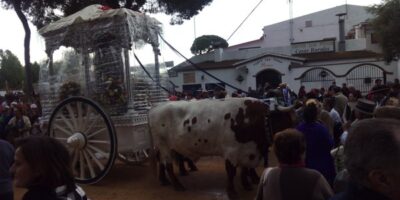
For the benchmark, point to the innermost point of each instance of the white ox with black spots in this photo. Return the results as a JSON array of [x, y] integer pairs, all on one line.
[[233, 128]]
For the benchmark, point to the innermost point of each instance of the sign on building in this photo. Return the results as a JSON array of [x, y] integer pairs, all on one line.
[[313, 47]]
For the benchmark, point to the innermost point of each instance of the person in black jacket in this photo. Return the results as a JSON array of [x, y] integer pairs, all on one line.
[[372, 159], [6, 160], [43, 166]]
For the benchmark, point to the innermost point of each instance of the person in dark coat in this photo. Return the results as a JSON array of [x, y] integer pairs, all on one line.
[[6, 160], [319, 143], [372, 159]]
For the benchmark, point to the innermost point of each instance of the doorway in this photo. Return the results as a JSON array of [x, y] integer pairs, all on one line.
[[273, 77]]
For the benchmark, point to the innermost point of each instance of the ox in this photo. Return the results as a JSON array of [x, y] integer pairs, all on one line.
[[232, 128]]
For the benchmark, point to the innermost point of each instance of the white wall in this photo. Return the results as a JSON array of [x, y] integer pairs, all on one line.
[[324, 25]]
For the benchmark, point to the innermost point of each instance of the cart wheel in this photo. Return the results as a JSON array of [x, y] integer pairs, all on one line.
[[89, 135], [134, 158]]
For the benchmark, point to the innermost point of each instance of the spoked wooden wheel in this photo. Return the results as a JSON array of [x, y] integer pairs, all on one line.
[[134, 157], [89, 135]]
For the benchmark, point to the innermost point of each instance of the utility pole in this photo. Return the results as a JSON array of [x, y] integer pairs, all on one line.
[[291, 39]]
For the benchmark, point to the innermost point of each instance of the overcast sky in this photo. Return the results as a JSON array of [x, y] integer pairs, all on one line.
[[220, 18]]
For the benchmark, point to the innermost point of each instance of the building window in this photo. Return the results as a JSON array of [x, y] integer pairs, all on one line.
[[189, 77], [308, 23]]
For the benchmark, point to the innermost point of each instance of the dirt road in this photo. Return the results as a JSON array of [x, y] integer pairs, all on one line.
[[126, 182]]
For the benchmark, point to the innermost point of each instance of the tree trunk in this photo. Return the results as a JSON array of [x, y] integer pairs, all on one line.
[[27, 40]]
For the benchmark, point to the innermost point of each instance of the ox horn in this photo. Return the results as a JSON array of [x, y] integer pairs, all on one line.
[[285, 109]]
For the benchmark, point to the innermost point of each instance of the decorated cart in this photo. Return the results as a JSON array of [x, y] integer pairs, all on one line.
[[98, 99]]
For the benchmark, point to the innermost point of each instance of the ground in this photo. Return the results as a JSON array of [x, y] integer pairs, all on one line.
[[126, 182]]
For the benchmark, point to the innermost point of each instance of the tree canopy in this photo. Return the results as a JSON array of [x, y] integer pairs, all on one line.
[[41, 12], [386, 26], [11, 70], [207, 43]]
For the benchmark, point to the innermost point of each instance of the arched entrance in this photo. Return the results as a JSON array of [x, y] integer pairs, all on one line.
[[363, 76], [317, 78], [273, 77]]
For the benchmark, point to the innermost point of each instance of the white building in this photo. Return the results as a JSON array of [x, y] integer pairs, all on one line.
[[312, 50]]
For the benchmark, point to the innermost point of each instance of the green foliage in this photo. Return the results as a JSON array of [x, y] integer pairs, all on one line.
[[10, 70], [181, 9], [41, 12], [387, 27], [207, 43], [35, 72]]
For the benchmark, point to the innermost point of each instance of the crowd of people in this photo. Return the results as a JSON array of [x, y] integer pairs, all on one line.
[[18, 118], [338, 148], [345, 146], [350, 140], [42, 165]]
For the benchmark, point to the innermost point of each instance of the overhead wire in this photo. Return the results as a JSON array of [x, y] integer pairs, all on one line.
[[258, 4], [198, 67]]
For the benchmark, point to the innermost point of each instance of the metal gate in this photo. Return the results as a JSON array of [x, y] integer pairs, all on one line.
[[317, 78], [363, 77]]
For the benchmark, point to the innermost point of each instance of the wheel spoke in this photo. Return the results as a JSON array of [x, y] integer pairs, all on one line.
[[89, 164], [91, 141], [72, 116], [145, 153], [101, 166], [67, 122], [92, 123], [62, 129], [80, 121], [98, 142], [97, 150], [96, 132], [81, 165], [137, 156]]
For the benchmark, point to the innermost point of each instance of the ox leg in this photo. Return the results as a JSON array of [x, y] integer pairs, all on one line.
[[244, 177], [255, 179], [181, 164], [231, 171], [191, 164], [162, 176], [175, 182]]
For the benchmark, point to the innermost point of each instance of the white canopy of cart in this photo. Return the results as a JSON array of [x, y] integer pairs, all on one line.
[[83, 28]]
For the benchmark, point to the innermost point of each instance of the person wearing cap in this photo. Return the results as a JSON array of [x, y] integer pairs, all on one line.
[[364, 109]]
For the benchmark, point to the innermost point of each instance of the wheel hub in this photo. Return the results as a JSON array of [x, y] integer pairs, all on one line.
[[77, 140]]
